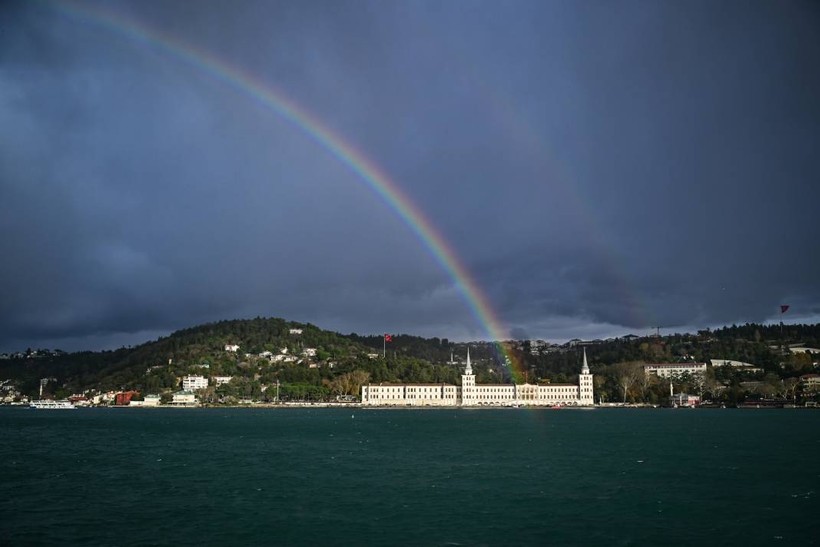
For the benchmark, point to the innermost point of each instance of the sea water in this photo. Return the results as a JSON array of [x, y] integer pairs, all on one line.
[[409, 477]]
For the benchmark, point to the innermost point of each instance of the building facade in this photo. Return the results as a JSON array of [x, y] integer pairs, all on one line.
[[810, 382], [183, 398], [193, 383], [668, 370], [683, 400], [737, 365], [472, 394]]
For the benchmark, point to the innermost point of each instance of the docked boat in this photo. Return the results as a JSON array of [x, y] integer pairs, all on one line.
[[51, 405]]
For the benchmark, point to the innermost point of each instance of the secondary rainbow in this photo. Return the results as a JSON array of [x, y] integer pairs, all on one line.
[[368, 172]]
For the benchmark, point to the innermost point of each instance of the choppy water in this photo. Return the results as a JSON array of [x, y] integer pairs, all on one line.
[[409, 477]]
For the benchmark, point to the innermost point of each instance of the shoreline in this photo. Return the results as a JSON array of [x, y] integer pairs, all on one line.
[[285, 406]]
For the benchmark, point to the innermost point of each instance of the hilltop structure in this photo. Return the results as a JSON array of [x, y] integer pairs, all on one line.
[[470, 394], [670, 370]]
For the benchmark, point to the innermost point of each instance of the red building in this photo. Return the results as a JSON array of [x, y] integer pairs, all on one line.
[[123, 398]]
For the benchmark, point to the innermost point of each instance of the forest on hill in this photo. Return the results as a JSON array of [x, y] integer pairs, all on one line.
[[305, 362]]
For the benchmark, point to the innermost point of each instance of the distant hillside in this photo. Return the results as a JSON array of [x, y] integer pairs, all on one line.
[[314, 364], [269, 350], [758, 344], [618, 362]]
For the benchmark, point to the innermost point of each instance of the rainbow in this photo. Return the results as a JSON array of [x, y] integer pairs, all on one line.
[[366, 170]]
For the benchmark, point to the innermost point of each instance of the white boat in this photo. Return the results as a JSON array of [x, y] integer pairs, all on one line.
[[52, 405]]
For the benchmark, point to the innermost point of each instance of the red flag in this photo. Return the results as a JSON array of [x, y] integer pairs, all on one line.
[[784, 308], [388, 337]]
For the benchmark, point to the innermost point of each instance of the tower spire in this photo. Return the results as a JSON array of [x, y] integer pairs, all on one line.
[[468, 369], [585, 368]]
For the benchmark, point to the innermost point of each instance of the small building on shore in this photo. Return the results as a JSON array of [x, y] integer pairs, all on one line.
[[123, 398], [684, 400], [148, 401], [183, 398]]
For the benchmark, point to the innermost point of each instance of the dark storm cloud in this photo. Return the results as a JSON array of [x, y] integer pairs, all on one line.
[[599, 169]]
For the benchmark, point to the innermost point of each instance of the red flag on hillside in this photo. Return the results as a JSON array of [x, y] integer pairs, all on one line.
[[784, 308], [388, 337]]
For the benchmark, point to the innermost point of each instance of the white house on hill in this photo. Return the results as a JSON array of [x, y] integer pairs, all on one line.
[[668, 370], [192, 383]]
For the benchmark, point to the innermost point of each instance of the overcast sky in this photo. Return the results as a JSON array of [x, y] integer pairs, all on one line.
[[600, 168]]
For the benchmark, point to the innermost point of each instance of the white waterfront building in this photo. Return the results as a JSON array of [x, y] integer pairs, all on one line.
[[183, 398], [471, 394]]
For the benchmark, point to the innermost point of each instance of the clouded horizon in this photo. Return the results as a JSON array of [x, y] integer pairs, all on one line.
[[599, 169]]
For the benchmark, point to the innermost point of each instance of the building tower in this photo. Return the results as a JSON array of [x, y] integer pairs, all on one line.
[[585, 396], [468, 384]]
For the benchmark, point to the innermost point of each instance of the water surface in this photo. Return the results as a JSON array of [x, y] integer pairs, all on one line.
[[409, 477]]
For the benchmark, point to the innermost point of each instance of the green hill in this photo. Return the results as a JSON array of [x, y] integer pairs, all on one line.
[[306, 361]]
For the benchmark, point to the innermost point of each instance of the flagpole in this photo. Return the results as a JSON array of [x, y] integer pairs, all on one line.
[[385, 339], [783, 309]]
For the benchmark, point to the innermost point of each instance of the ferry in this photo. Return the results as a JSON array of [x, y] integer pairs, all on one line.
[[52, 405]]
